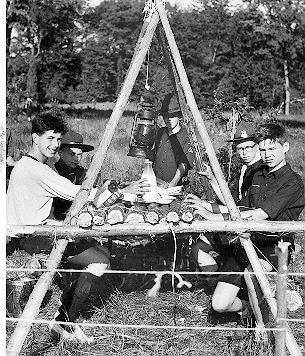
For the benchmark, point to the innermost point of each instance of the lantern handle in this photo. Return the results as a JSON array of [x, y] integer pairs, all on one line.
[[147, 86]]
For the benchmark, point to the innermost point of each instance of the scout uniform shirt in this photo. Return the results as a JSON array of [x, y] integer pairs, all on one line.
[[280, 194], [170, 152]]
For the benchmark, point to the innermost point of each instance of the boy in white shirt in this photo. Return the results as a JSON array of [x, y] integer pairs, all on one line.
[[32, 187]]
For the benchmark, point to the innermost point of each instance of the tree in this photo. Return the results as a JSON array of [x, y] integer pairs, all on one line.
[[285, 22], [44, 42]]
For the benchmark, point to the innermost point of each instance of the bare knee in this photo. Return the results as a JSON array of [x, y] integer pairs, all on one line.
[[220, 303], [224, 296]]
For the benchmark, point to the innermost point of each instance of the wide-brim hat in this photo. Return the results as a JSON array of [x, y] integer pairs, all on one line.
[[245, 131], [74, 139], [170, 104]]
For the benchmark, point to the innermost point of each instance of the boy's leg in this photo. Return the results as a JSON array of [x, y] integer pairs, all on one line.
[[225, 298], [200, 253], [95, 259]]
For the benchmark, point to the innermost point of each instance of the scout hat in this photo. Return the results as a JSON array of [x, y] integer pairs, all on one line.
[[245, 131], [170, 104], [74, 139]]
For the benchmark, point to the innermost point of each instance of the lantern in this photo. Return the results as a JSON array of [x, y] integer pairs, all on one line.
[[143, 132]]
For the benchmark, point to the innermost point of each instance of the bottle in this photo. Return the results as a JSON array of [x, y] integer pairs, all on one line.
[[149, 175], [108, 195]]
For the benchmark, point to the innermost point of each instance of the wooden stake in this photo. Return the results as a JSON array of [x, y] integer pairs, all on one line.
[[187, 116], [234, 212], [281, 298], [39, 291]]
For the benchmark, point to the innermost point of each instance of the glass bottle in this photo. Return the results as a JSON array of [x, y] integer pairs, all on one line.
[[149, 175]]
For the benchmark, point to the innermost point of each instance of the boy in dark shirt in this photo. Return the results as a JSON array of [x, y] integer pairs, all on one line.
[[173, 154], [276, 193], [68, 166]]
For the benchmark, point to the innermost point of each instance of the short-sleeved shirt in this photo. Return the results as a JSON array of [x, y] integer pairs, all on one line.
[[280, 194], [170, 152], [76, 176]]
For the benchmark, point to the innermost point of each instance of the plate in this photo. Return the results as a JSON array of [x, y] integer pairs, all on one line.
[[165, 200]]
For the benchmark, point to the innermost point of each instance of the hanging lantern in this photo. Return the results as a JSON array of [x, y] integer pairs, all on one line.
[[143, 132]]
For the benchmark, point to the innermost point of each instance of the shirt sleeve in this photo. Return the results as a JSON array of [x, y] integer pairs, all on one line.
[[57, 186], [284, 198]]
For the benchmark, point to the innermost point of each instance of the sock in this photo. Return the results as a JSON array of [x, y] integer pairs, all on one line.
[[81, 294]]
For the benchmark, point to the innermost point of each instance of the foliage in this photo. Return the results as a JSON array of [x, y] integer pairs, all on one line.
[[66, 52], [40, 49]]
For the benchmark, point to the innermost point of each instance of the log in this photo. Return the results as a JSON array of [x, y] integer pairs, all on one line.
[[153, 214], [136, 214], [116, 214], [186, 212], [152, 217], [173, 217], [187, 216], [84, 219], [161, 228], [100, 217]]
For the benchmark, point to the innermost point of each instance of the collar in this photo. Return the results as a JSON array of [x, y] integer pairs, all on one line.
[[282, 164], [175, 130], [255, 159], [276, 174]]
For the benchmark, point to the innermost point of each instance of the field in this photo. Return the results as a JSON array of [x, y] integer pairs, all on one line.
[[121, 300]]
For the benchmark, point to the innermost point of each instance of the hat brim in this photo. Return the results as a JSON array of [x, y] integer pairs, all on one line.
[[240, 140], [82, 146]]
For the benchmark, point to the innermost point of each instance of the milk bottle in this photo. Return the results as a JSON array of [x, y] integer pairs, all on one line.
[[149, 175]]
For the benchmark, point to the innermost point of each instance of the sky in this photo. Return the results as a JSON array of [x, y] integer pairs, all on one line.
[[182, 3]]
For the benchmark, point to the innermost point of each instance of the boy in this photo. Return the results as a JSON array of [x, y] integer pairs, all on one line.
[[32, 187], [276, 193], [246, 146], [173, 154], [70, 153]]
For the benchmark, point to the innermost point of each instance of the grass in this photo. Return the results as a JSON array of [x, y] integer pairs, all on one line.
[[128, 301]]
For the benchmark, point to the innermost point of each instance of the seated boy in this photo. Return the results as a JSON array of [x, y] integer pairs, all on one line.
[[32, 187], [276, 193]]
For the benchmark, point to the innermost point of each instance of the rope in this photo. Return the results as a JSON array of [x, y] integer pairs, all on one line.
[[140, 326], [12, 269]]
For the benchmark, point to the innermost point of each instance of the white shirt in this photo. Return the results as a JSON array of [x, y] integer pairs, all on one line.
[[31, 190], [243, 170]]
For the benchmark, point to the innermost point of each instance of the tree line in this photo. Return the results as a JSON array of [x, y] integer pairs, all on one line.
[[67, 52]]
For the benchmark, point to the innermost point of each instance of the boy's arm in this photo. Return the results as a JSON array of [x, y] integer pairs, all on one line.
[[180, 172], [57, 186]]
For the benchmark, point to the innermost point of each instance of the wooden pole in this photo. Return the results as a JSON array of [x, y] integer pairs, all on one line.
[[281, 298], [234, 212], [32, 307], [118, 110], [187, 115], [39, 291], [196, 114], [120, 231]]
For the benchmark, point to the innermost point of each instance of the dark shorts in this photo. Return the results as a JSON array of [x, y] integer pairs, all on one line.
[[35, 245], [233, 258]]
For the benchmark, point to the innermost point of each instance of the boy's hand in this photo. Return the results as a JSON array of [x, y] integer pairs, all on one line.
[[195, 202], [138, 187], [207, 172]]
